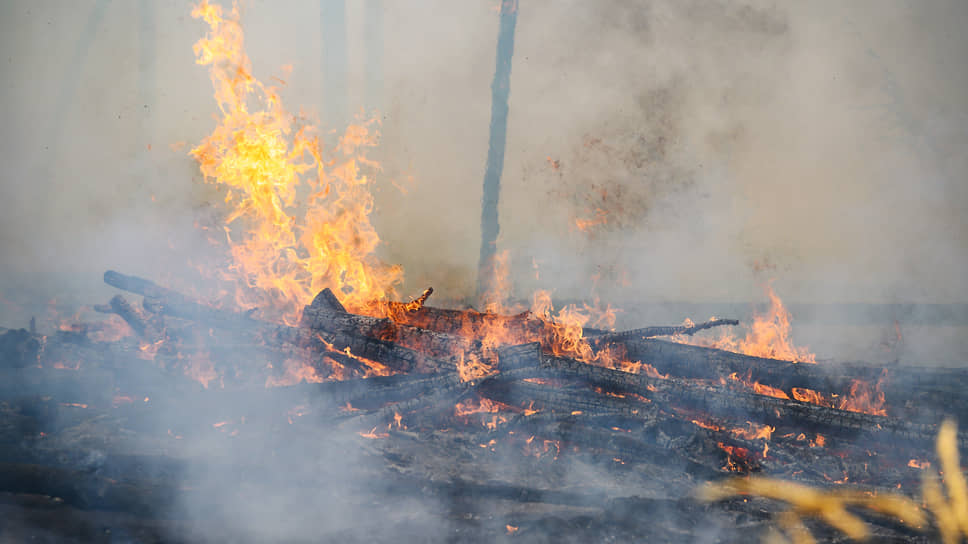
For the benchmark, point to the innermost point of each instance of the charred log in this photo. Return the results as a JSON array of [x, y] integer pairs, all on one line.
[[722, 401], [327, 300], [604, 338], [122, 308], [161, 300], [909, 390], [433, 343]]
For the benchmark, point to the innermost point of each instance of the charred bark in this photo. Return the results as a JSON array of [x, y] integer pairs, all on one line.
[[721, 401], [604, 338], [911, 392], [433, 343]]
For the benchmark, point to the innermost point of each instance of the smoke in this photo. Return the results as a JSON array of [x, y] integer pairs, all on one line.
[[711, 145], [820, 139]]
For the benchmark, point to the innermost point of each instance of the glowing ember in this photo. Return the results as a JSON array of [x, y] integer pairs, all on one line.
[[737, 459], [706, 425], [373, 434], [481, 405], [754, 431]]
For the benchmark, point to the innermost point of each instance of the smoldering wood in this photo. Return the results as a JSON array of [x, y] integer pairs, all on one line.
[[442, 391], [434, 343], [422, 299], [161, 300], [935, 390], [460, 321], [723, 401], [119, 306], [636, 439], [652, 428]]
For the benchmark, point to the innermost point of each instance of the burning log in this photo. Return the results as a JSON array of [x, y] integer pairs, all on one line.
[[435, 344], [337, 332], [720, 400], [921, 389], [457, 322]]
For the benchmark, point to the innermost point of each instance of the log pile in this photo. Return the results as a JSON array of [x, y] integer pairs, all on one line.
[[161, 434]]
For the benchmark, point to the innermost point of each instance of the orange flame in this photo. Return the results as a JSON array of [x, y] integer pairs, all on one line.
[[296, 223], [754, 431], [917, 463], [769, 336], [862, 397]]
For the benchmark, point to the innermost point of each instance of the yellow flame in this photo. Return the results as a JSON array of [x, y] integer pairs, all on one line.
[[296, 223]]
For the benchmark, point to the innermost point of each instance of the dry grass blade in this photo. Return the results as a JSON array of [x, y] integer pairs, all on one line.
[[957, 487]]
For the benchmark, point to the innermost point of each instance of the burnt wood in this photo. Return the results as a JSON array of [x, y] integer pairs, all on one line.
[[723, 401], [603, 338], [909, 391]]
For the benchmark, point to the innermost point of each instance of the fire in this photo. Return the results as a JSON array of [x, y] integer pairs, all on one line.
[[148, 350], [917, 463], [295, 371], [865, 398], [769, 336], [563, 335], [533, 449], [397, 422], [483, 405], [862, 397], [586, 225], [754, 431], [470, 366], [296, 223], [706, 425], [758, 387], [372, 434], [737, 459], [504, 323], [201, 368], [817, 442]]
